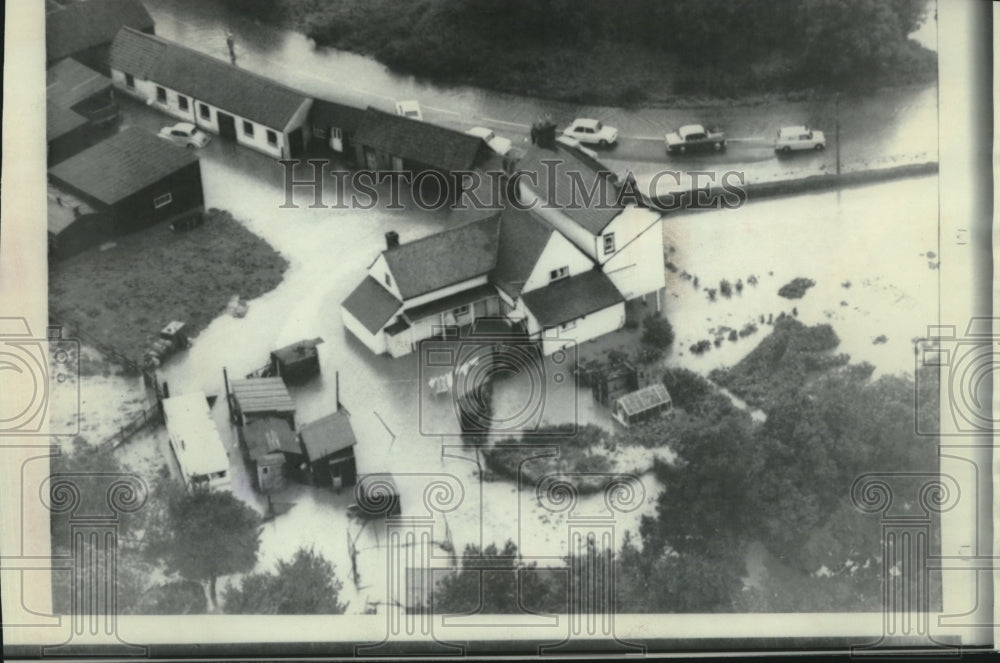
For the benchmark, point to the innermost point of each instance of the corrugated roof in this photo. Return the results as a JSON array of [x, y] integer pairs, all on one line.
[[331, 113], [419, 141], [571, 298], [192, 431], [83, 25], [371, 304], [522, 239], [205, 78], [445, 258], [328, 435], [647, 398], [559, 191], [268, 436], [261, 395], [121, 165]]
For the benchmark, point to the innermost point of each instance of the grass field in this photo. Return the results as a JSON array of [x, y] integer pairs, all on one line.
[[123, 295]]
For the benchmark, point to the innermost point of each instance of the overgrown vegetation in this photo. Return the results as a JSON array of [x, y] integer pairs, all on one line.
[[796, 288], [625, 52], [125, 295]]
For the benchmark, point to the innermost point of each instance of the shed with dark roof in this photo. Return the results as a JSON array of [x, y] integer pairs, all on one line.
[[80, 109], [334, 125], [266, 443], [134, 177], [214, 95], [84, 30], [387, 142], [329, 450]]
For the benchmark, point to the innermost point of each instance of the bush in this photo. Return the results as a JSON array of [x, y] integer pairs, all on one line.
[[725, 288], [701, 346], [796, 288], [657, 332]]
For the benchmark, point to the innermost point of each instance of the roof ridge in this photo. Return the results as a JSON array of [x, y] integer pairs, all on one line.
[[438, 234], [173, 44]]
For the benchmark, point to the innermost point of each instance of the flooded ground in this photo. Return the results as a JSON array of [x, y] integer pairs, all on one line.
[[870, 251]]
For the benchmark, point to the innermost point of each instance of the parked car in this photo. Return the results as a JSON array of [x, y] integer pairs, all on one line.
[[592, 132], [574, 143], [498, 144], [693, 137], [186, 134], [410, 109], [799, 138]]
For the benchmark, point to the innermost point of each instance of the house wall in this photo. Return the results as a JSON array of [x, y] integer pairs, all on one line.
[[631, 223], [575, 233], [636, 267], [584, 329], [379, 270], [558, 252], [374, 342], [145, 90], [138, 210]]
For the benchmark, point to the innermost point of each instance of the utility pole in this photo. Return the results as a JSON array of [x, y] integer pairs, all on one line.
[[836, 120], [231, 43]]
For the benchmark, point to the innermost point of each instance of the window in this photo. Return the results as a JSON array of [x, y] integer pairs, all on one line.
[[264, 470], [248, 129], [162, 201], [388, 280], [182, 102], [560, 273], [161, 95], [609, 243], [205, 113], [130, 81], [461, 310], [272, 138]]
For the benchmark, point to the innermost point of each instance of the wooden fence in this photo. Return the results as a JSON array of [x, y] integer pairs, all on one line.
[[150, 416]]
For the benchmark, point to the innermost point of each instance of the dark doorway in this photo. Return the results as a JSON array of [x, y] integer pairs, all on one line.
[[296, 143], [227, 125]]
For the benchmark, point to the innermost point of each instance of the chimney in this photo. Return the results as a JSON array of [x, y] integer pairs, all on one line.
[[391, 239]]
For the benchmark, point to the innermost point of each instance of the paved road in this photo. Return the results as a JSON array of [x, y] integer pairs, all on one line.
[[888, 127]]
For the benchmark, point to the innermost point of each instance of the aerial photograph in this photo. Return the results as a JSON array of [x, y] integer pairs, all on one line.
[[480, 307]]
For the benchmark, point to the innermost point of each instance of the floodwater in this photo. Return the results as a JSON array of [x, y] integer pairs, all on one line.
[[866, 248]]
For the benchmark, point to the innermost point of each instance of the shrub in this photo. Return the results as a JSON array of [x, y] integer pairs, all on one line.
[[701, 346], [725, 288], [796, 288], [657, 332]]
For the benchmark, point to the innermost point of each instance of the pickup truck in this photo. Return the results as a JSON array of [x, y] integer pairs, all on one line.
[[693, 137]]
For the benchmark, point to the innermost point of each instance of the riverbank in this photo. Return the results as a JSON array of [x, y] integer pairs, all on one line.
[[598, 56]]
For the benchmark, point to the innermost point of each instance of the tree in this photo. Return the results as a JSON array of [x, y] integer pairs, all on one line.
[[306, 585], [206, 534], [493, 581]]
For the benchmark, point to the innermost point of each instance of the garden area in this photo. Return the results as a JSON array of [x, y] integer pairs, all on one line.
[[123, 293]]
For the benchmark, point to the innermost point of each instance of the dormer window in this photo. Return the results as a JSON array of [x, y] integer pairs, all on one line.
[[560, 273], [388, 280], [609, 243]]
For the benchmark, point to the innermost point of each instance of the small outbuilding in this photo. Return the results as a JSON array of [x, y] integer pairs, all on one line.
[[135, 178], [334, 126], [328, 444], [296, 362], [267, 442], [259, 398], [608, 384], [642, 405], [84, 30]]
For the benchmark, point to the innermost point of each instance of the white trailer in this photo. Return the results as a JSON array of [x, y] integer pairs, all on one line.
[[195, 441]]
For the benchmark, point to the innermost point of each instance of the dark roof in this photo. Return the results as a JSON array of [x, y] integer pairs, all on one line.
[[83, 25], [338, 115], [371, 304], [205, 78], [270, 435], [121, 165], [261, 395], [593, 217], [415, 140], [63, 209], [67, 84], [445, 258], [522, 239], [328, 435], [572, 298], [647, 398], [297, 351], [450, 302]]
